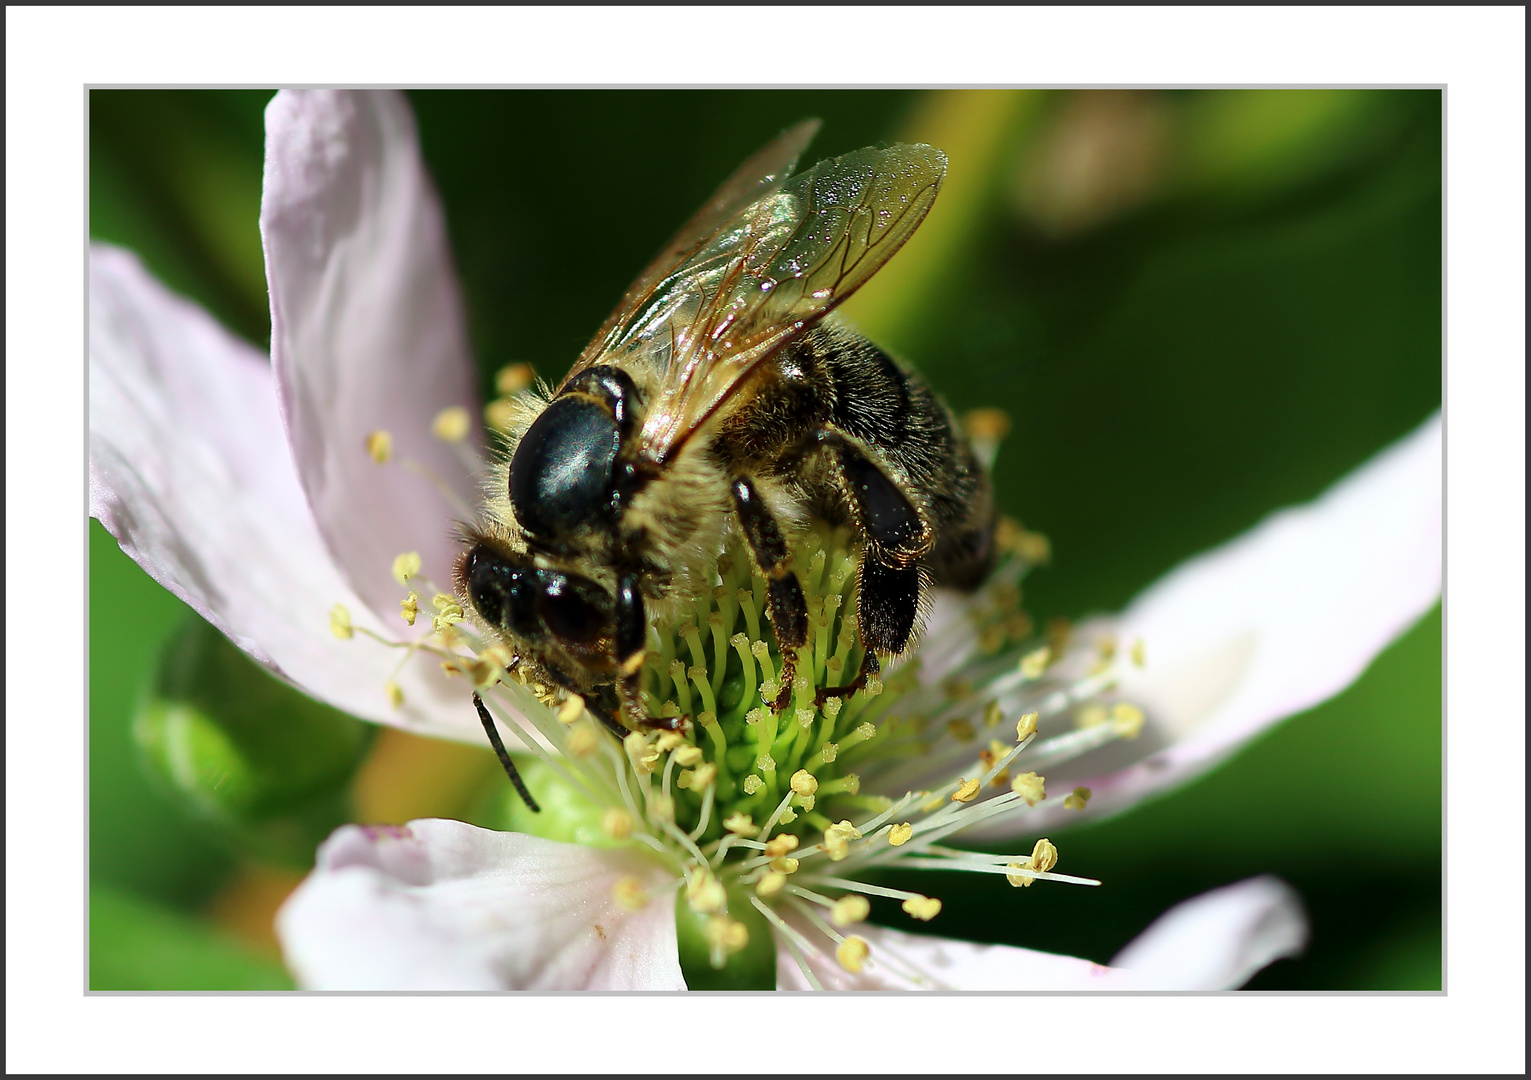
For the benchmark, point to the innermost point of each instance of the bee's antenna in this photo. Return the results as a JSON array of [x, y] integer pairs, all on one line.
[[505, 762]]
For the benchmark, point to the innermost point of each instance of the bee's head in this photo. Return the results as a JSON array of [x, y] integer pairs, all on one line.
[[535, 606]]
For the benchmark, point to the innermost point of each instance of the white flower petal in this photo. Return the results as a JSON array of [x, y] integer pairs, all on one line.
[[367, 331], [900, 961], [1271, 623], [190, 471], [1218, 940], [440, 905]]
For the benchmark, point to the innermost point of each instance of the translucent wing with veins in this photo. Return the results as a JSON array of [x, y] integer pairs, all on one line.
[[765, 258]]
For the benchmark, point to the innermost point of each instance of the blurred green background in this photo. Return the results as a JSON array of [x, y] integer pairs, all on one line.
[[1196, 305]]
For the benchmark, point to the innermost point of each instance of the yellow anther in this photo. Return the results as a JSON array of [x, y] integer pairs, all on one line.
[[923, 908], [1015, 877], [1044, 855], [380, 446], [704, 893], [960, 730], [780, 845], [740, 825], [770, 884], [765, 763], [724, 936], [630, 894], [452, 424], [395, 695], [752, 784], [669, 740], [499, 414], [829, 752], [446, 633], [498, 654], [1139, 653], [409, 607], [663, 806], [992, 714], [1026, 727], [987, 425], [1034, 547], [788, 816], [899, 835], [1034, 663], [966, 791], [617, 823], [804, 783], [340, 622], [837, 840], [513, 378], [852, 953], [572, 709], [484, 673], [784, 864], [1076, 799], [446, 606], [850, 908], [1127, 720], [698, 779], [643, 756], [1030, 787], [583, 742], [806, 802], [452, 669], [873, 686], [688, 755], [406, 566], [1090, 716]]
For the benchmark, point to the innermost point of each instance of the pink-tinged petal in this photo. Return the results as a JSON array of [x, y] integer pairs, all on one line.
[[367, 331], [440, 905], [1218, 940], [1271, 623], [190, 471]]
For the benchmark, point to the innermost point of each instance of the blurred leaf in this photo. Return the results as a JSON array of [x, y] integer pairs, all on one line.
[[976, 129], [244, 752], [1240, 143], [176, 176], [139, 841], [138, 945]]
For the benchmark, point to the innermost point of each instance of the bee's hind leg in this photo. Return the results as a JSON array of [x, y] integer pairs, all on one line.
[[789, 607]]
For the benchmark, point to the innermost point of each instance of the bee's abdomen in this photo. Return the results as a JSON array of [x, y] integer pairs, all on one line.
[[898, 416]]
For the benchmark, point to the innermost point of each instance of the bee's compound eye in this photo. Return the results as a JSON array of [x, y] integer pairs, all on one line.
[[576, 611], [503, 593], [561, 474]]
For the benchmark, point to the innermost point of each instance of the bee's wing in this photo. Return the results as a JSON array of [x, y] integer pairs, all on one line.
[[762, 274], [760, 175]]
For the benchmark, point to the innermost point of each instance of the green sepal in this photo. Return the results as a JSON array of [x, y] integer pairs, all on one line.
[[267, 769]]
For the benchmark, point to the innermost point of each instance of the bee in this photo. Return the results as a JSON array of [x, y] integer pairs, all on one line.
[[723, 399]]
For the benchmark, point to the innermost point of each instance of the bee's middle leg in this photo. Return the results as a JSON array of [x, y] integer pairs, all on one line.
[[892, 579], [789, 608]]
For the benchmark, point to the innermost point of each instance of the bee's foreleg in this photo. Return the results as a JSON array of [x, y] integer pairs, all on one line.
[[789, 608]]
